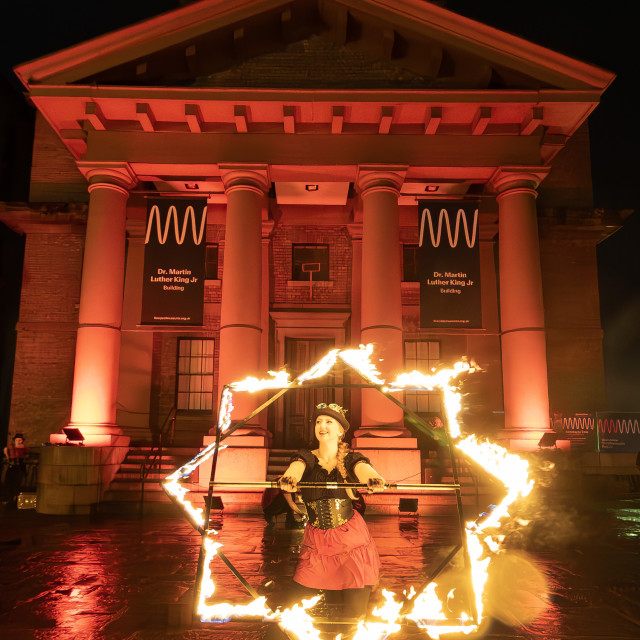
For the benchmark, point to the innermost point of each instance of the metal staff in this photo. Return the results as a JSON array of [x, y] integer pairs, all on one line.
[[273, 484]]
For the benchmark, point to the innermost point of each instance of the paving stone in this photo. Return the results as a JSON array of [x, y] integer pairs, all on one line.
[[129, 578]]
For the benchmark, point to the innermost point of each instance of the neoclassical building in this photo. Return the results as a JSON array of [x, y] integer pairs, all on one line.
[[313, 129]]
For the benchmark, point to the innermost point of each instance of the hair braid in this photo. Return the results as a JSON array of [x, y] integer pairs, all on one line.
[[343, 451]]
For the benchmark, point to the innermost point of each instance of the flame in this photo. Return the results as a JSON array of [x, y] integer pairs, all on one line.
[[226, 408], [360, 360], [299, 621], [389, 612], [320, 368], [440, 379], [482, 537], [171, 484], [295, 619], [279, 380]]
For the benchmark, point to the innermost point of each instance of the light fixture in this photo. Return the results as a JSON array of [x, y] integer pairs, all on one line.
[[216, 509], [74, 436], [432, 188], [311, 187], [408, 506], [548, 440], [191, 186]]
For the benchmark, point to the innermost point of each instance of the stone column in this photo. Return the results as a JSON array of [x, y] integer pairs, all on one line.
[[242, 320], [241, 317], [95, 383], [524, 358], [382, 435], [381, 301], [355, 231]]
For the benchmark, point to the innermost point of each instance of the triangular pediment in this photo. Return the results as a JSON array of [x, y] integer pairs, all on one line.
[[306, 44]]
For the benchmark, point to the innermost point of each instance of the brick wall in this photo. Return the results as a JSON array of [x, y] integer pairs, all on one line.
[[46, 332], [54, 174], [336, 291]]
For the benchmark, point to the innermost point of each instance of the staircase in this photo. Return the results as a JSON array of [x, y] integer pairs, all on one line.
[[278, 462], [476, 487], [126, 487]]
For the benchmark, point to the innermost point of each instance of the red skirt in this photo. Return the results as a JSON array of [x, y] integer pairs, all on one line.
[[342, 558]]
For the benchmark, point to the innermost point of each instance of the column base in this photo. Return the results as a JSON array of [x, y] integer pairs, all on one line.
[[72, 479], [95, 435], [516, 439], [401, 464], [383, 443], [383, 431], [244, 459], [242, 432]]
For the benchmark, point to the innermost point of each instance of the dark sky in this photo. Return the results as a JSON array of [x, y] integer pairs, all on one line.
[[601, 35]]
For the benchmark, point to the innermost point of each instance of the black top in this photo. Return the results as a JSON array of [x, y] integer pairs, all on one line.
[[314, 472]]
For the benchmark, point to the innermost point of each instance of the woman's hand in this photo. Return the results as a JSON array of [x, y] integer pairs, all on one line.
[[375, 484], [288, 483]]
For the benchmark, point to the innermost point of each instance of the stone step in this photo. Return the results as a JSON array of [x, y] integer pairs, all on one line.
[[134, 484], [130, 466], [152, 476], [139, 458], [177, 451], [113, 495], [278, 462]]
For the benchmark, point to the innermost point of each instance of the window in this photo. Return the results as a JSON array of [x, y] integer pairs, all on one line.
[[211, 262], [410, 263], [195, 375], [310, 261], [422, 355]]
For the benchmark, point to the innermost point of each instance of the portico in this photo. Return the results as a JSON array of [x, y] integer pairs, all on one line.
[[309, 164]]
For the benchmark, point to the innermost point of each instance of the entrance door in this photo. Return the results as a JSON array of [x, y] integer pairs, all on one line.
[[300, 355]]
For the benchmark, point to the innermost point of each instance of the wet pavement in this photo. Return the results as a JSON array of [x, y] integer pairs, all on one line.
[[571, 572]]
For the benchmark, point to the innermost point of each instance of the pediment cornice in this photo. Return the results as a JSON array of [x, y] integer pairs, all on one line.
[[391, 25]]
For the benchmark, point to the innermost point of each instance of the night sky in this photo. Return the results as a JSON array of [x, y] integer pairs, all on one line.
[[603, 34]]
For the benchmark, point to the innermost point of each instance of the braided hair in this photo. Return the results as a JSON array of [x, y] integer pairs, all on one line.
[[343, 452]]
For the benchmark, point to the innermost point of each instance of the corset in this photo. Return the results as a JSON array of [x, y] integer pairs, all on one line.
[[329, 513]]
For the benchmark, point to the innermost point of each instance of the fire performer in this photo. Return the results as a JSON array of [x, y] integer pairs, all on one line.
[[338, 553]]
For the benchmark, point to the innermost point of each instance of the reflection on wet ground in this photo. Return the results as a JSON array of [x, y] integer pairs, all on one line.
[[571, 572]]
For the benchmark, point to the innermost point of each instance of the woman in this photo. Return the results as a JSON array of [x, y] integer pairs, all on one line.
[[338, 553]]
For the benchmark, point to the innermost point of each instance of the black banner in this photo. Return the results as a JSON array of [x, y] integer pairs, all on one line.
[[449, 264], [174, 261], [579, 429], [618, 432]]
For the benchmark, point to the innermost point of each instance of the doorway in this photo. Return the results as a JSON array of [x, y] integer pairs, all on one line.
[[300, 355]]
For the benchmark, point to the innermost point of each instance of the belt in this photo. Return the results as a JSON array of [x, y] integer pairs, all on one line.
[[329, 513]]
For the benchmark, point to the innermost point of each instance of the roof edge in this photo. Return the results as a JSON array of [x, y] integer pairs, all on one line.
[[174, 26]]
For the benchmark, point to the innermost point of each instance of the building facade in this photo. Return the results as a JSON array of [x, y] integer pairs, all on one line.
[[313, 128]]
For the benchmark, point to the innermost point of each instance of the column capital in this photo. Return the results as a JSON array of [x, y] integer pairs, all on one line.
[[114, 175], [355, 231], [518, 178], [246, 177], [380, 178], [267, 230]]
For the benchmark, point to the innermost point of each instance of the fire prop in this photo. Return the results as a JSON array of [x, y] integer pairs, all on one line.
[[481, 538]]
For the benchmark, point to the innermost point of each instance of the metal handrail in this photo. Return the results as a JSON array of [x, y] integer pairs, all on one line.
[[157, 447]]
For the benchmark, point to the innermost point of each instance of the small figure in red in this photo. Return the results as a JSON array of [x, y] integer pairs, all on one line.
[[15, 454]]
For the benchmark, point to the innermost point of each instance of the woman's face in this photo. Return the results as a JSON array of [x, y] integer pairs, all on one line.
[[328, 428]]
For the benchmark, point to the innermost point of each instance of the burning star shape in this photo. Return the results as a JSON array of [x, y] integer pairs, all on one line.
[[425, 608]]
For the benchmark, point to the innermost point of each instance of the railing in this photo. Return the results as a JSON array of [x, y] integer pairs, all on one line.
[[154, 457]]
